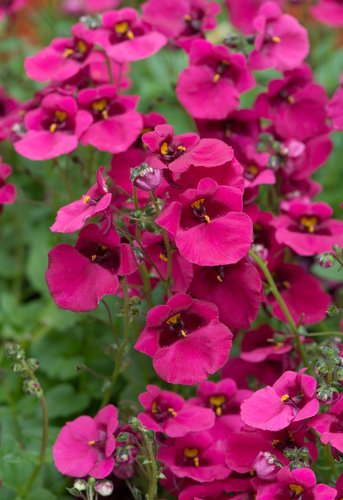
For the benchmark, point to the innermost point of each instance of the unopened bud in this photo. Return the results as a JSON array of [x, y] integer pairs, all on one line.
[[104, 488], [80, 485], [145, 177], [325, 260]]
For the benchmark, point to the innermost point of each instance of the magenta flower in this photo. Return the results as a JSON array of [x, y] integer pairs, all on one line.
[[225, 400], [52, 129], [250, 451], [335, 107], [179, 152], [96, 201], [208, 225], [256, 168], [330, 425], [329, 12], [292, 484], [309, 307], [242, 15], [235, 287], [239, 489], [85, 446], [182, 271], [262, 344], [125, 37], [183, 19], [280, 41], [292, 398], [114, 123], [185, 339], [307, 228], [169, 413], [78, 277], [295, 105], [7, 191], [64, 57], [195, 456], [304, 158], [10, 7], [210, 87], [9, 113]]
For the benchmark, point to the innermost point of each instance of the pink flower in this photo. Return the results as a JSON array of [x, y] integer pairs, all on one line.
[[9, 7], [294, 483], [64, 58], [265, 372], [236, 287], [330, 425], [307, 228], [335, 107], [169, 413], [242, 15], [79, 7], [185, 339], [309, 307], [114, 123], [9, 109], [295, 105], [53, 128], [208, 225], [250, 451], [181, 19], [225, 400], [263, 344], [179, 152], [195, 456], [210, 87], [257, 170], [182, 271], [125, 37], [329, 12], [85, 446], [280, 42], [239, 489], [7, 191], [292, 398], [79, 277], [73, 217]]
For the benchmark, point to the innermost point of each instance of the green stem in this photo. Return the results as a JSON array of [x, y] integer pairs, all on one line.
[[274, 290], [44, 443], [110, 321], [331, 462], [320, 334], [168, 248], [121, 349], [153, 479]]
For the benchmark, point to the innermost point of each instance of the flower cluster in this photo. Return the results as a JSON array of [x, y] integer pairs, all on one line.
[[208, 231]]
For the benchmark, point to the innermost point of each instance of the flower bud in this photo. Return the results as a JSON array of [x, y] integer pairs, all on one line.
[[325, 260], [266, 466], [134, 423], [80, 485], [145, 177], [104, 488]]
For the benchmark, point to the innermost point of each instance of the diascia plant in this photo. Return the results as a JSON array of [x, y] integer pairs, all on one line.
[[177, 143]]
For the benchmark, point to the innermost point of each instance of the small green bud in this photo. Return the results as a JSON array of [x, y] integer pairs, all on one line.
[[80, 485], [332, 311], [134, 423], [122, 437]]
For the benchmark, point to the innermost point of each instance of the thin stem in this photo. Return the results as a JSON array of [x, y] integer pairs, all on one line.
[[153, 479], [121, 349], [331, 461], [110, 321], [167, 246], [320, 334], [274, 290], [44, 443]]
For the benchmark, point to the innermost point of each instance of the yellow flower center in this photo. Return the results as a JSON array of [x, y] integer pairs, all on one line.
[[296, 488], [217, 402], [284, 398], [309, 223], [192, 454], [276, 39], [67, 53], [164, 148], [123, 29], [81, 46]]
